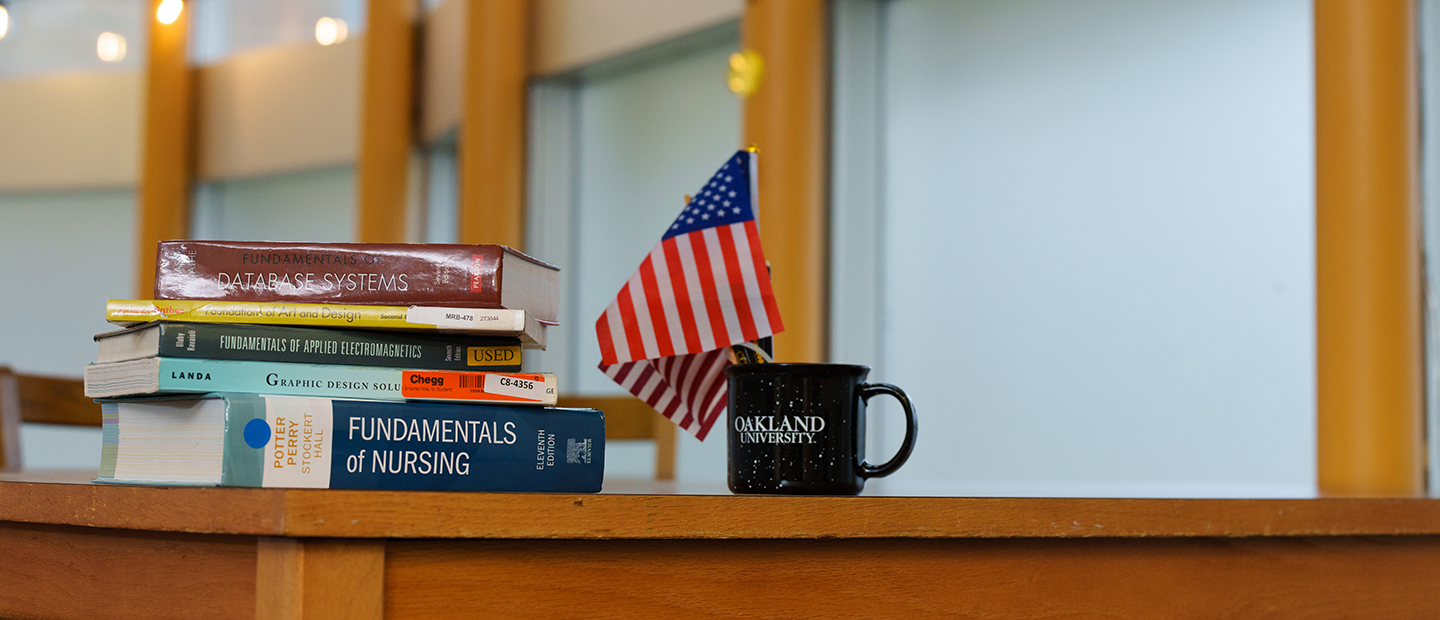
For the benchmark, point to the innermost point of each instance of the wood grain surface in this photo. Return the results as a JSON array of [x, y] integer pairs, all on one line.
[[1033, 578], [319, 579], [398, 514], [66, 572], [165, 509]]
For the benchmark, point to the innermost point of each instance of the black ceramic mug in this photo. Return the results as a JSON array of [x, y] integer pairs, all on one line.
[[800, 428]]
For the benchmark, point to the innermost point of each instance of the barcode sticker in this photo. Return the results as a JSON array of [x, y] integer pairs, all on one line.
[[512, 385], [534, 388], [481, 319], [443, 318]]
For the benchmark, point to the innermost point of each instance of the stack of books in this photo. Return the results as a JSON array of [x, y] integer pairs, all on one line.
[[340, 365]]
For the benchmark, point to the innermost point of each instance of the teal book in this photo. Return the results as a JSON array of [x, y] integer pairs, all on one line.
[[248, 440], [168, 375]]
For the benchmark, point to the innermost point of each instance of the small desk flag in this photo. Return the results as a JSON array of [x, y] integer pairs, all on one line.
[[666, 337]]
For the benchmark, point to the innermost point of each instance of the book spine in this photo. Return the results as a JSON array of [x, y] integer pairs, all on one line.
[[348, 273], [183, 375], [300, 345], [346, 444], [479, 321]]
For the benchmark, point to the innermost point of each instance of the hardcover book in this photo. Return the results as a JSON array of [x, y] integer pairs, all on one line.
[[479, 321], [310, 345], [170, 375], [247, 440], [387, 274]]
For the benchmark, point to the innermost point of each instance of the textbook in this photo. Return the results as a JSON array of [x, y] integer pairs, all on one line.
[[478, 321], [248, 440], [164, 375], [310, 345], [387, 274]]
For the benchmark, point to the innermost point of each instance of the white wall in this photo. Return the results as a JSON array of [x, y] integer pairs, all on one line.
[[1097, 245], [62, 254]]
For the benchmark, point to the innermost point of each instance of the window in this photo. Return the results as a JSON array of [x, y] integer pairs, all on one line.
[[614, 150], [1080, 234]]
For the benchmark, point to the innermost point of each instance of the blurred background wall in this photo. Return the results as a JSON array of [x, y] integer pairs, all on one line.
[[1079, 233]]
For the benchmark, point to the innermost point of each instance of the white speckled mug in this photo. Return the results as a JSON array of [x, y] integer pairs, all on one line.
[[800, 428]]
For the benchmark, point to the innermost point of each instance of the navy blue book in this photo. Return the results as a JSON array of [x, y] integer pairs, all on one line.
[[249, 440]]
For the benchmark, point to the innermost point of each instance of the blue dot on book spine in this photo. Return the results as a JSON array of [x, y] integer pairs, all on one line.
[[257, 433]]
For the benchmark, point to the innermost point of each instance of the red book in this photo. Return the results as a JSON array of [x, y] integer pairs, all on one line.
[[388, 274]]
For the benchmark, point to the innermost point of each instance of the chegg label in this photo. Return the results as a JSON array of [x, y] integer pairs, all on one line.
[[478, 386], [519, 386]]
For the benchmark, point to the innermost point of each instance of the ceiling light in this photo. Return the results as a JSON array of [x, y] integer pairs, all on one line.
[[110, 47], [169, 11], [4, 21], [330, 30]]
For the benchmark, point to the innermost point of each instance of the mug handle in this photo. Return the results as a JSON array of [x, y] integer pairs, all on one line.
[[868, 390]]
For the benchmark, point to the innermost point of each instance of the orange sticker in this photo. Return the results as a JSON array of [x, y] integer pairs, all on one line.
[[472, 386]]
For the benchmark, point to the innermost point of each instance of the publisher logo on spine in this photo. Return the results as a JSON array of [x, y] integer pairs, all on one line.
[[477, 266], [779, 429], [577, 451]]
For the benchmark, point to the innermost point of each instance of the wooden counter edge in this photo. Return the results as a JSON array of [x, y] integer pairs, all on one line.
[[523, 516], [200, 510], [399, 514]]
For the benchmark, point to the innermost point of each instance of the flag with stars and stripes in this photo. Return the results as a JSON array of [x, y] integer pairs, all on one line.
[[666, 337]]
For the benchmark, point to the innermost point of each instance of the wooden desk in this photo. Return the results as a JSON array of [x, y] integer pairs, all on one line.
[[85, 551]]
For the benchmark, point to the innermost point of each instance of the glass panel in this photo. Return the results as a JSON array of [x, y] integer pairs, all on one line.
[[442, 199], [1429, 43], [613, 152], [59, 275], [50, 36], [315, 205], [223, 27], [1098, 247], [647, 137]]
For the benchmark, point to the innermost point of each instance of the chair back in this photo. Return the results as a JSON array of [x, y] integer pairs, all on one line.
[[629, 418], [39, 399]]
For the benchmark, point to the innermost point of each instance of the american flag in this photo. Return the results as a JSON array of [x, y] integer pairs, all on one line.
[[666, 337]]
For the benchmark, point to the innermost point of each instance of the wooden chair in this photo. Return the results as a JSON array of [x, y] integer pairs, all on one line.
[[629, 418], [41, 400]]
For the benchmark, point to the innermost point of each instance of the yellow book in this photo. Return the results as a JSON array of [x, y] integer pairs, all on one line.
[[486, 321]]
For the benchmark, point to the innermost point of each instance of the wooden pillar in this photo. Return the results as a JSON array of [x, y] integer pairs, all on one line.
[[167, 163], [1367, 235], [491, 149], [387, 120], [787, 118]]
